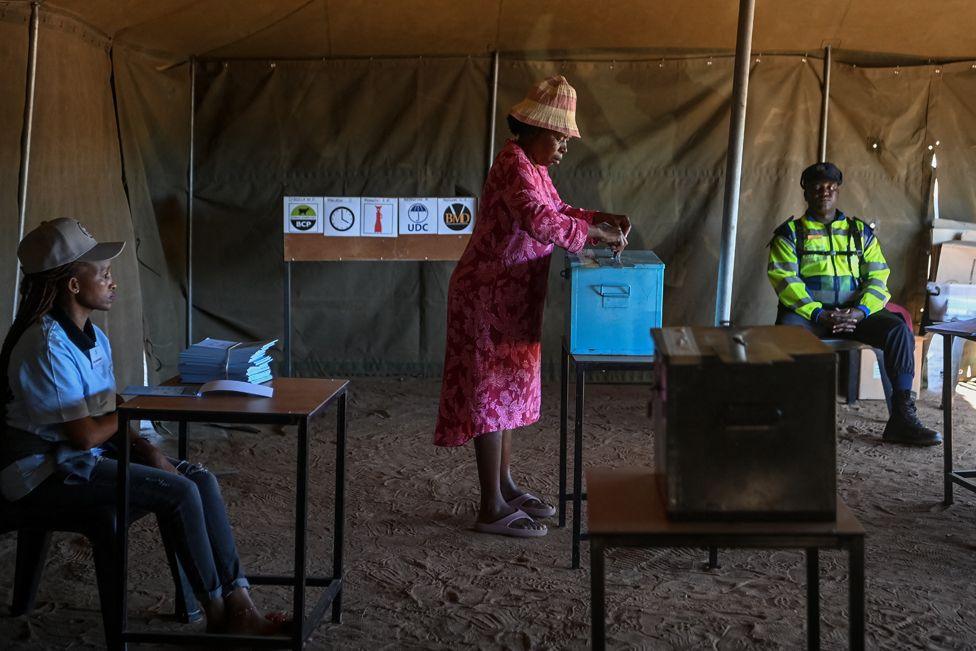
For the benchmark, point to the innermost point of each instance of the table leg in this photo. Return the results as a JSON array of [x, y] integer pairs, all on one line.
[[563, 431], [301, 526], [597, 596], [813, 598], [713, 558], [947, 386], [286, 317], [182, 452], [340, 507], [122, 534], [578, 466], [855, 551]]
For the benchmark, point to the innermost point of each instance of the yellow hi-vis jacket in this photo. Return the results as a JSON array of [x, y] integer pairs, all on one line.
[[814, 266]]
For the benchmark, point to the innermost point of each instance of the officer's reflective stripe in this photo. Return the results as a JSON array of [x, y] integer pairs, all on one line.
[[803, 300], [875, 266], [783, 266], [874, 282], [875, 293], [784, 283]]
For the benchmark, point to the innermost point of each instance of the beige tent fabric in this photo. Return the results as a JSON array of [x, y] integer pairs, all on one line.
[[887, 185], [344, 28], [653, 146], [154, 108], [13, 79], [361, 128], [953, 127], [654, 139], [75, 169]]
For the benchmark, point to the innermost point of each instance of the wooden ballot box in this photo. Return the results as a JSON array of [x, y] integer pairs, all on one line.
[[612, 304], [744, 423]]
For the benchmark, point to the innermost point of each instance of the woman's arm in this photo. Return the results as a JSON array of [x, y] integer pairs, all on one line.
[[524, 197], [90, 431]]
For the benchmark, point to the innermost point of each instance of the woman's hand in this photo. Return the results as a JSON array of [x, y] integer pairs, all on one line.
[[620, 221], [606, 233], [148, 454]]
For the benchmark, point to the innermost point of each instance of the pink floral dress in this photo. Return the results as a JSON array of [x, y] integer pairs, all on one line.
[[495, 301]]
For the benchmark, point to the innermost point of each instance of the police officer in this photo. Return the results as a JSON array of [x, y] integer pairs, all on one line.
[[830, 277]]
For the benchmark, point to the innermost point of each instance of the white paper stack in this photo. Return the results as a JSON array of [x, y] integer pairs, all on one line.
[[215, 359]]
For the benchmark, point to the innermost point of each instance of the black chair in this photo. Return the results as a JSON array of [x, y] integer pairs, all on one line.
[[97, 524]]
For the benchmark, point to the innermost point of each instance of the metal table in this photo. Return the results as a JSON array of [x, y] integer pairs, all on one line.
[[582, 364], [295, 402], [966, 330], [626, 510]]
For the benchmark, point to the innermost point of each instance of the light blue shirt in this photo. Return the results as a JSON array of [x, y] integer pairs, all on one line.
[[54, 381]]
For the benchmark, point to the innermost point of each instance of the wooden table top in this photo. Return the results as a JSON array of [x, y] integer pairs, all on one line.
[[627, 501], [292, 396]]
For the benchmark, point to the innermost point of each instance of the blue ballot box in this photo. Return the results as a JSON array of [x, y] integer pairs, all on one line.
[[612, 305]]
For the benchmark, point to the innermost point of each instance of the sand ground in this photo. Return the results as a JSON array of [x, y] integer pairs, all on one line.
[[418, 577]]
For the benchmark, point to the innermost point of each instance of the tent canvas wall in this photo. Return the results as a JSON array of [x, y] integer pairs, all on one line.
[[111, 133]]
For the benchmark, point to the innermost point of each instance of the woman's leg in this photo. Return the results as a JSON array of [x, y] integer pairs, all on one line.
[[509, 488], [238, 613], [174, 499], [488, 451], [221, 536]]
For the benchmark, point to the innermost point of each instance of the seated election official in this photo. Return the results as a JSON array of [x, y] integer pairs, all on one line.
[[58, 401], [831, 277]]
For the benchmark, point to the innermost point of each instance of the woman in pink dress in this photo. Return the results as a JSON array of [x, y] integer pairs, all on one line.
[[491, 383]]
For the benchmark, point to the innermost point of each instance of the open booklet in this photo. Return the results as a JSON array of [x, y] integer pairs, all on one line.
[[230, 386]]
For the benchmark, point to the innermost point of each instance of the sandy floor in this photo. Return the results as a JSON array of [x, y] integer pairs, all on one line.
[[417, 577]]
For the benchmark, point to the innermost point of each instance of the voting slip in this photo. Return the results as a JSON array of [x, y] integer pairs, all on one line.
[[216, 386], [217, 359]]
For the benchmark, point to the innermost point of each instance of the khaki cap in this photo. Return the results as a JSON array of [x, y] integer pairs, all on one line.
[[60, 241]]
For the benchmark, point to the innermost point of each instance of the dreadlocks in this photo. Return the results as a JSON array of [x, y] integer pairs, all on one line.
[[38, 292]]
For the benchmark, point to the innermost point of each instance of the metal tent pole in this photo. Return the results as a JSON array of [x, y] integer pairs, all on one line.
[[494, 110], [25, 143], [189, 207], [733, 169], [824, 104]]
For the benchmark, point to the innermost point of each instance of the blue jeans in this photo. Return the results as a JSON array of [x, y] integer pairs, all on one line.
[[188, 505]]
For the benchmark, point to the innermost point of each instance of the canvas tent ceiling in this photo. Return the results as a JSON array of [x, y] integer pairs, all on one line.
[[343, 28], [112, 130]]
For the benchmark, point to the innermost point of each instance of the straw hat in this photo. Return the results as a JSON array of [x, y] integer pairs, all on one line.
[[551, 104]]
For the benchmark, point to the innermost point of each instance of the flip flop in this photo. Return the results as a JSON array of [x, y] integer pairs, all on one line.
[[544, 511], [503, 527]]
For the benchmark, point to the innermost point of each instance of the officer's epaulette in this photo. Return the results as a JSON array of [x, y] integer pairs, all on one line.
[[784, 230]]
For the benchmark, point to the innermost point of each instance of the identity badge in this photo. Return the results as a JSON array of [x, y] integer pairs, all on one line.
[[97, 357]]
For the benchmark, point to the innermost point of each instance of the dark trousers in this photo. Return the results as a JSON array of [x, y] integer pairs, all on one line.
[[188, 505], [885, 330]]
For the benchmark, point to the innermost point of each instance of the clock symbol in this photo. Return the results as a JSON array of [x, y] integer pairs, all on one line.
[[342, 219]]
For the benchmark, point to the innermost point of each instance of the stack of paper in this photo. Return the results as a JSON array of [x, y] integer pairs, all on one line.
[[215, 359]]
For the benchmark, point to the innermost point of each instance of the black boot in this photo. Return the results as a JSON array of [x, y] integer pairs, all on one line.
[[904, 426]]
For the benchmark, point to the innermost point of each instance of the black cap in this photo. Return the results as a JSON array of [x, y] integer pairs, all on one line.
[[821, 172]]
